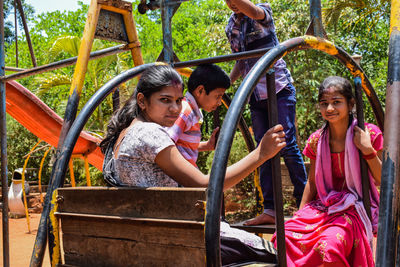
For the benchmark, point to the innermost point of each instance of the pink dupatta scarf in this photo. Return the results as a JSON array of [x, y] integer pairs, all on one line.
[[340, 201]]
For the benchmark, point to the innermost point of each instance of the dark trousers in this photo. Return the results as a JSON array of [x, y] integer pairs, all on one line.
[[286, 100]]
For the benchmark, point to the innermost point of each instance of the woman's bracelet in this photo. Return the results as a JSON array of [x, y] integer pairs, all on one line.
[[370, 156]]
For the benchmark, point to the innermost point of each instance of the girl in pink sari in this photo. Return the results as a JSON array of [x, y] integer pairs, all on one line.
[[331, 227]]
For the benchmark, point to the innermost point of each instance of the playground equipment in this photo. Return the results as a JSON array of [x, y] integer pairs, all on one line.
[[43, 122], [16, 194], [387, 237]]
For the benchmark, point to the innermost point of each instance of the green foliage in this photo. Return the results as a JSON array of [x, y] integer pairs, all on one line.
[[366, 12]]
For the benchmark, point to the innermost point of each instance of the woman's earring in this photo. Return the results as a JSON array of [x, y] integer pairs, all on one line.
[[142, 106]]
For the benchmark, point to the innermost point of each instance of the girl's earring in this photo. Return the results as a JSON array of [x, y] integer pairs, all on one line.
[[141, 105]]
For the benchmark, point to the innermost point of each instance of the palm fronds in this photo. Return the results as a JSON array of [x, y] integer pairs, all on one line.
[[355, 11]]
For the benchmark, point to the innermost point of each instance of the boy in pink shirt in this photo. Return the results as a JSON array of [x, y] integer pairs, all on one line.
[[206, 86]]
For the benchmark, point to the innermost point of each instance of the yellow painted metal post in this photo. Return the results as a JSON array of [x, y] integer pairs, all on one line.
[[23, 186], [87, 171], [395, 16], [40, 173], [257, 184], [85, 48], [71, 172], [133, 39], [55, 251]]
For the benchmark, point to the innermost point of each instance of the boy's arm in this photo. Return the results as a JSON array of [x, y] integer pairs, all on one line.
[[210, 144], [249, 9]]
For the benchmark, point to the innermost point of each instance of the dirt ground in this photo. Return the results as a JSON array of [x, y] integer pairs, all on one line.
[[21, 242]]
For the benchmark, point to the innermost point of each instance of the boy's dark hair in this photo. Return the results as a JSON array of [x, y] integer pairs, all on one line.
[[210, 76]]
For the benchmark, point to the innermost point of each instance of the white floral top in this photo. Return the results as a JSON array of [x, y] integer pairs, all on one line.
[[138, 149]]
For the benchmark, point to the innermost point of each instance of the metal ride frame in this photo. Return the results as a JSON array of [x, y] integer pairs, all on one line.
[[129, 37], [388, 247]]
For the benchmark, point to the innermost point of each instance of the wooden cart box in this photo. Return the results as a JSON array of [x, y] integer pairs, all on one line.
[[132, 226]]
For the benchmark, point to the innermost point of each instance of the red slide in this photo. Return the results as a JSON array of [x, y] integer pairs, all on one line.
[[43, 122]]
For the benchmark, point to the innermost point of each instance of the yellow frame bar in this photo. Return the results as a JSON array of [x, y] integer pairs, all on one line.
[[85, 48], [23, 185], [40, 173]]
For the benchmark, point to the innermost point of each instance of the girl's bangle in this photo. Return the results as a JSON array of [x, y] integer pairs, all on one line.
[[370, 156]]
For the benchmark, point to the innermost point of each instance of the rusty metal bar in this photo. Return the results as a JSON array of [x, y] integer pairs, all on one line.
[[363, 163], [276, 172], [219, 59], [13, 69], [316, 26], [28, 38], [143, 6], [389, 210], [22, 73], [16, 33], [3, 137], [168, 9]]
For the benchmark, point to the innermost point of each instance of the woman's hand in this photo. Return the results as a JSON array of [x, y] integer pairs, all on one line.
[[362, 140], [272, 142]]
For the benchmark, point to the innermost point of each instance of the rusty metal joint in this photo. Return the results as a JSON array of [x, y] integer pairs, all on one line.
[[132, 45], [200, 204], [59, 199]]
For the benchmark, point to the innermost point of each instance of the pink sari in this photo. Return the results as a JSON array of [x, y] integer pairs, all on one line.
[[335, 226]]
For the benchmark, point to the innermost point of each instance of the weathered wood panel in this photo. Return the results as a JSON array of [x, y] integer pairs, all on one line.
[[166, 203], [183, 235], [132, 226], [98, 251]]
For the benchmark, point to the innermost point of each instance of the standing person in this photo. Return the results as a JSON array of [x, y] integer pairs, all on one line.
[[252, 27], [206, 87], [144, 155], [332, 227]]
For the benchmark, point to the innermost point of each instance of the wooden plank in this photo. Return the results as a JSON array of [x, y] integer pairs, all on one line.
[[134, 232], [97, 251], [148, 221], [165, 203]]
